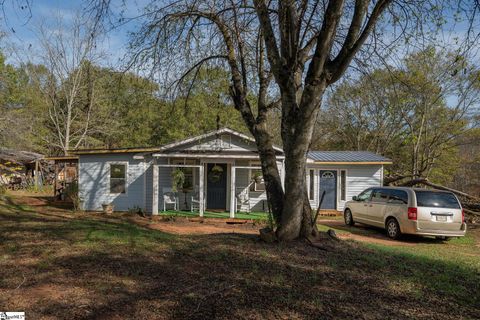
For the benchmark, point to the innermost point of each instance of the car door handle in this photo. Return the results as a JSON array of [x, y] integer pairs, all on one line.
[[371, 205]]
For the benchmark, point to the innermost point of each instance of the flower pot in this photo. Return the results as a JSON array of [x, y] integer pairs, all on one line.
[[108, 208]]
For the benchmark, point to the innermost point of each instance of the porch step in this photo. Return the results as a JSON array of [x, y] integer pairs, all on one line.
[[330, 213]]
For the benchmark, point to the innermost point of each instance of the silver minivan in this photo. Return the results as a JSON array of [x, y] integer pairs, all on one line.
[[409, 211]]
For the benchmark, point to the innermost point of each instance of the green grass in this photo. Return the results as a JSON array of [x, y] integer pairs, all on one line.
[[222, 215], [98, 266], [423, 263]]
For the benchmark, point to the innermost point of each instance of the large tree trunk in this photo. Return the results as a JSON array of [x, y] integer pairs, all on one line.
[[297, 132], [271, 175]]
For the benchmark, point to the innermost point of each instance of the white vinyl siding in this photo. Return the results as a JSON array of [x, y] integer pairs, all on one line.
[[94, 182], [358, 178]]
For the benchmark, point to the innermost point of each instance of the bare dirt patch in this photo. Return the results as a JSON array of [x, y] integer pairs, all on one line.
[[188, 226]]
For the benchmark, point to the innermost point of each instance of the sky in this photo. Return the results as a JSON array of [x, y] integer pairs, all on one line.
[[21, 26], [22, 29]]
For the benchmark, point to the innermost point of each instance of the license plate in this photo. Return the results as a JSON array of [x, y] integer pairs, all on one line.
[[441, 218]]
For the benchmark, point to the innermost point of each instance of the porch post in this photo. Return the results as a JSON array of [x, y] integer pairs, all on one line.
[[200, 191], [232, 191], [155, 190]]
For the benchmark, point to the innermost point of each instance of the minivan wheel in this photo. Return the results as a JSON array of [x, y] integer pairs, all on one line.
[[348, 218], [393, 229]]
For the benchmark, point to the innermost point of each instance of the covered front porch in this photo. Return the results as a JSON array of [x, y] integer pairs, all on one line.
[[209, 187]]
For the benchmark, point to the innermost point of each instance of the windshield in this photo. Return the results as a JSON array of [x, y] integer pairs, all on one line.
[[436, 199]]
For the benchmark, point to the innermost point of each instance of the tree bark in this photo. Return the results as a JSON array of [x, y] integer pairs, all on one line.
[[271, 175], [296, 219]]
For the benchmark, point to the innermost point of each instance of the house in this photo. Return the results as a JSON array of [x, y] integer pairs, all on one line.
[[221, 172]]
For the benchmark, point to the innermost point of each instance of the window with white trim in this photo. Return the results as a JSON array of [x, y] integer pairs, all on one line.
[[343, 185], [311, 187], [118, 178]]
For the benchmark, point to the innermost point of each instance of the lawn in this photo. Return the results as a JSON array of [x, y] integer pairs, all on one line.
[[55, 264], [221, 215]]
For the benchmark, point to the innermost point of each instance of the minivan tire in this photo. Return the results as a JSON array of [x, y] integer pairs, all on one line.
[[393, 229], [347, 216]]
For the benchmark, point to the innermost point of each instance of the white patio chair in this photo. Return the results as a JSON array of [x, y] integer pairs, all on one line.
[[195, 200], [242, 200], [169, 198]]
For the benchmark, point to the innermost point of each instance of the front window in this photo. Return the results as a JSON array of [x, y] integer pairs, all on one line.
[[118, 178], [365, 195]]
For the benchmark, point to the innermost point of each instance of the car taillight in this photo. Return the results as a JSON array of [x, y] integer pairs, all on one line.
[[412, 213], [463, 215]]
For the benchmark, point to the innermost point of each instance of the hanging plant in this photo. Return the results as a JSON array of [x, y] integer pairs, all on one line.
[[257, 176], [178, 179], [215, 173]]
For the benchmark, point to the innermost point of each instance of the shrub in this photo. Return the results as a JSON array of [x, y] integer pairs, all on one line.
[[3, 189], [136, 210]]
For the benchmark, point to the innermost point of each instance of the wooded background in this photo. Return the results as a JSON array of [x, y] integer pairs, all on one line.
[[422, 112]]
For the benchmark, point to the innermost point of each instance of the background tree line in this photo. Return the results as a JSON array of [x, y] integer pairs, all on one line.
[[109, 109], [423, 114]]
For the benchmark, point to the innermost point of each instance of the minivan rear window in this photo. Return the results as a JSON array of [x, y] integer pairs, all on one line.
[[436, 199]]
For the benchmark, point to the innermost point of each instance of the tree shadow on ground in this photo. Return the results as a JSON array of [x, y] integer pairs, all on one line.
[[87, 268], [379, 233]]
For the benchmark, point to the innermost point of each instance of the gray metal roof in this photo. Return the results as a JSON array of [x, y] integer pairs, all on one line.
[[346, 156]]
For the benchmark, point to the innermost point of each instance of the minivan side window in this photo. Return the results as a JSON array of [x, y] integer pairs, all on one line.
[[397, 196], [365, 195], [379, 195], [436, 199]]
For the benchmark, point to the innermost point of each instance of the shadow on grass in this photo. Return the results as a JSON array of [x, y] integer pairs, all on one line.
[[376, 232], [114, 269], [215, 277]]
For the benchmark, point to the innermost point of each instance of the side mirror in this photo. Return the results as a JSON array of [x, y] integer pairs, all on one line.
[[355, 198]]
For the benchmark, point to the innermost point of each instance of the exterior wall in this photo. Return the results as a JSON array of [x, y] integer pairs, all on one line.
[[243, 179], [94, 182], [359, 178]]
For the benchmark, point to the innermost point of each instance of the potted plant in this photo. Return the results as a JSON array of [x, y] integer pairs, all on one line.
[[178, 179], [257, 177], [108, 208]]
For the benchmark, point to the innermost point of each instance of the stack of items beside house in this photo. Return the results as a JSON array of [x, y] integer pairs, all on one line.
[[23, 169]]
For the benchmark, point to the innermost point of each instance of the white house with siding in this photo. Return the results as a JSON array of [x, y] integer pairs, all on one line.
[[222, 173]]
